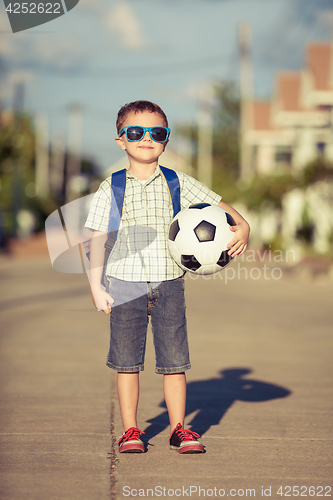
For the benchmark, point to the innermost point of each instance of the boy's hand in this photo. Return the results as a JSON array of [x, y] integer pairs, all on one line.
[[102, 300], [239, 243]]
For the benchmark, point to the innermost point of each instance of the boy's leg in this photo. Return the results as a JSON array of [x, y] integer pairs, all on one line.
[[174, 385], [185, 441], [128, 326], [128, 396], [171, 345], [172, 359]]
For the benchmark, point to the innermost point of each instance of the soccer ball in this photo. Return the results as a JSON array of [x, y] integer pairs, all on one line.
[[198, 238]]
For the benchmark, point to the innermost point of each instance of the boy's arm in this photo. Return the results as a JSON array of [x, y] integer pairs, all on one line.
[[242, 230], [102, 300]]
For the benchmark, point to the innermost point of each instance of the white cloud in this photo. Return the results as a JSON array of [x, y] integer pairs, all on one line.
[[324, 19], [122, 22], [61, 52], [31, 49], [96, 7], [7, 47]]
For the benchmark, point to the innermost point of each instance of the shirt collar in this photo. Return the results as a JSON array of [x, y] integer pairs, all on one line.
[[155, 174]]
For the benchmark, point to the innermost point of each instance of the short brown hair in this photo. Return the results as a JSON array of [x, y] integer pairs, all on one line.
[[138, 107]]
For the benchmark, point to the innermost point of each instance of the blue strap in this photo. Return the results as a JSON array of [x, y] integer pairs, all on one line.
[[174, 187], [118, 184]]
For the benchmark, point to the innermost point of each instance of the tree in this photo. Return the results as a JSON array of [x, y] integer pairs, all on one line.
[[17, 151], [226, 120], [226, 129]]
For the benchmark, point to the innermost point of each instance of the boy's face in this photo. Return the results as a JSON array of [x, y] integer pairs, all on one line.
[[146, 150]]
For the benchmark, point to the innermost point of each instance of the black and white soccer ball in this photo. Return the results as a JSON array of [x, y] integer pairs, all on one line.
[[198, 238]]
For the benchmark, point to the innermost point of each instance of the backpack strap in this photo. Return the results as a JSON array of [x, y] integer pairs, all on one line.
[[172, 181], [118, 185]]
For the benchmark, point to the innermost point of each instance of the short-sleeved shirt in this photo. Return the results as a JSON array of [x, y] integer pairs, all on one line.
[[141, 250]]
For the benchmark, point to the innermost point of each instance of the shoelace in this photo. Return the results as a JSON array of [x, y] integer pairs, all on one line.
[[186, 434], [131, 433]]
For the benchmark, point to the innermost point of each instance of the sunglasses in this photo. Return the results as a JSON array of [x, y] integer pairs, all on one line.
[[157, 134]]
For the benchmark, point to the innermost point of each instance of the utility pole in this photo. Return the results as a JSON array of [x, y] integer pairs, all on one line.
[[57, 166], [246, 96], [42, 155], [205, 138], [331, 58], [74, 147], [331, 66]]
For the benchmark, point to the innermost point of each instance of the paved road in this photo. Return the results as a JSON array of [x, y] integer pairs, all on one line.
[[55, 390], [259, 392]]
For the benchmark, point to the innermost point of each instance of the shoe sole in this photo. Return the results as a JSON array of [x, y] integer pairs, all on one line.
[[131, 449], [196, 448]]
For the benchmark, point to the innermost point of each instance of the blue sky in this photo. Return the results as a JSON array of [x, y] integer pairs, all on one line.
[[105, 53]]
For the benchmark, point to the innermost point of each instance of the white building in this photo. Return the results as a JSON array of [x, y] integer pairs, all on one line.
[[296, 125]]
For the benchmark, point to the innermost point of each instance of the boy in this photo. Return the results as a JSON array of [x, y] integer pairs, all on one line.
[[142, 277]]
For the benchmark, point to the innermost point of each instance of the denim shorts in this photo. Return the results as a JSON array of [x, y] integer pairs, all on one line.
[[133, 304]]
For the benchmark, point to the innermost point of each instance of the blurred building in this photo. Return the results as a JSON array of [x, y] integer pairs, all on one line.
[[296, 126]]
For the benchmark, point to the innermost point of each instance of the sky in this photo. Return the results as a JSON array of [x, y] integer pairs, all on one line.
[[105, 53]]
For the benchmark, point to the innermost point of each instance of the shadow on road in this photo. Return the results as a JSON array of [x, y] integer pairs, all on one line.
[[213, 397]]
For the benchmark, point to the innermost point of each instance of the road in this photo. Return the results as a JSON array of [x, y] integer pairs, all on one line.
[[259, 391]]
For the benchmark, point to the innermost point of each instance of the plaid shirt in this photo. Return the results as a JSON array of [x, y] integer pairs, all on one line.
[[141, 251]]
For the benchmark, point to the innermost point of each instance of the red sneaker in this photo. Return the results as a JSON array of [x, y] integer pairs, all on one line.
[[130, 441], [185, 441]]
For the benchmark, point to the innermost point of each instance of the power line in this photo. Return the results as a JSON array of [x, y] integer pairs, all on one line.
[[121, 72]]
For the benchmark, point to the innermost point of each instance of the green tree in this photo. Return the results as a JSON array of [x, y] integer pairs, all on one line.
[[226, 120], [17, 151], [226, 129]]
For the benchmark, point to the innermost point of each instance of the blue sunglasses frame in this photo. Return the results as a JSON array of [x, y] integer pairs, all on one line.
[[145, 129]]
